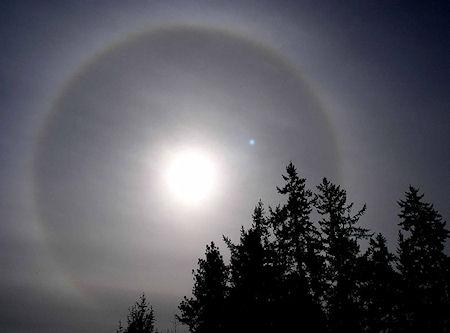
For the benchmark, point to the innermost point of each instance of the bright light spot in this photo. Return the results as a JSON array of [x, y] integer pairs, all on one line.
[[252, 142], [191, 176]]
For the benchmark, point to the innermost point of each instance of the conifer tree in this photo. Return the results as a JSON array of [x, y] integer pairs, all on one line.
[[297, 238], [378, 294], [287, 273], [341, 234], [140, 318], [423, 266], [298, 245], [204, 311], [250, 283]]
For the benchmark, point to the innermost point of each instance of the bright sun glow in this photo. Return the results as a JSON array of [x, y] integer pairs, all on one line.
[[191, 176]]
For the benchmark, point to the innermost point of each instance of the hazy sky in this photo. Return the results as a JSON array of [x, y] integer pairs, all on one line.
[[96, 97]]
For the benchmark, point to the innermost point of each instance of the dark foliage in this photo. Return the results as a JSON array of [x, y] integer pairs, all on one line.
[[423, 266], [297, 247], [140, 318], [379, 287], [204, 311], [300, 268], [250, 281], [341, 235]]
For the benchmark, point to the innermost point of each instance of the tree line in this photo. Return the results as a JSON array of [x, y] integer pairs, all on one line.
[[299, 267]]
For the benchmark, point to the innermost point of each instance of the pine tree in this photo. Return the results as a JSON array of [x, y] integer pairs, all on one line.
[[378, 292], [140, 318], [298, 245], [341, 235], [296, 234], [204, 311], [251, 285], [423, 266]]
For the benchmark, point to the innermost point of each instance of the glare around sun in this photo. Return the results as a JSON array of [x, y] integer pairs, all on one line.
[[191, 177]]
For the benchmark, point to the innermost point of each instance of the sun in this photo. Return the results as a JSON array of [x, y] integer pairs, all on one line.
[[191, 176]]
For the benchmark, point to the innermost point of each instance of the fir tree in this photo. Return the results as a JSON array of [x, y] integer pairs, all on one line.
[[341, 234], [251, 280], [296, 235], [378, 294], [423, 266], [204, 311], [298, 245], [140, 318], [285, 272]]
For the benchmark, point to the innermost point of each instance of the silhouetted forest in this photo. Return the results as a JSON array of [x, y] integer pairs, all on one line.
[[300, 268]]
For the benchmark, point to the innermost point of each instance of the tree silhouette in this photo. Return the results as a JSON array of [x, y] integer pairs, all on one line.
[[298, 245], [341, 235], [423, 266], [204, 311], [300, 268], [140, 318], [379, 287], [251, 279], [296, 234]]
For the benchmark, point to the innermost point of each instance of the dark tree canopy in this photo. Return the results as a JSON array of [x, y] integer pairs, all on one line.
[[297, 237], [298, 250], [299, 268], [140, 318], [204, 311], [379, 287], [250, 279], [341, 235], [423, 265]]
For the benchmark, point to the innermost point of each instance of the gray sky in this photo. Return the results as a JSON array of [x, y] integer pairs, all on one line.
[[95, 96]]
